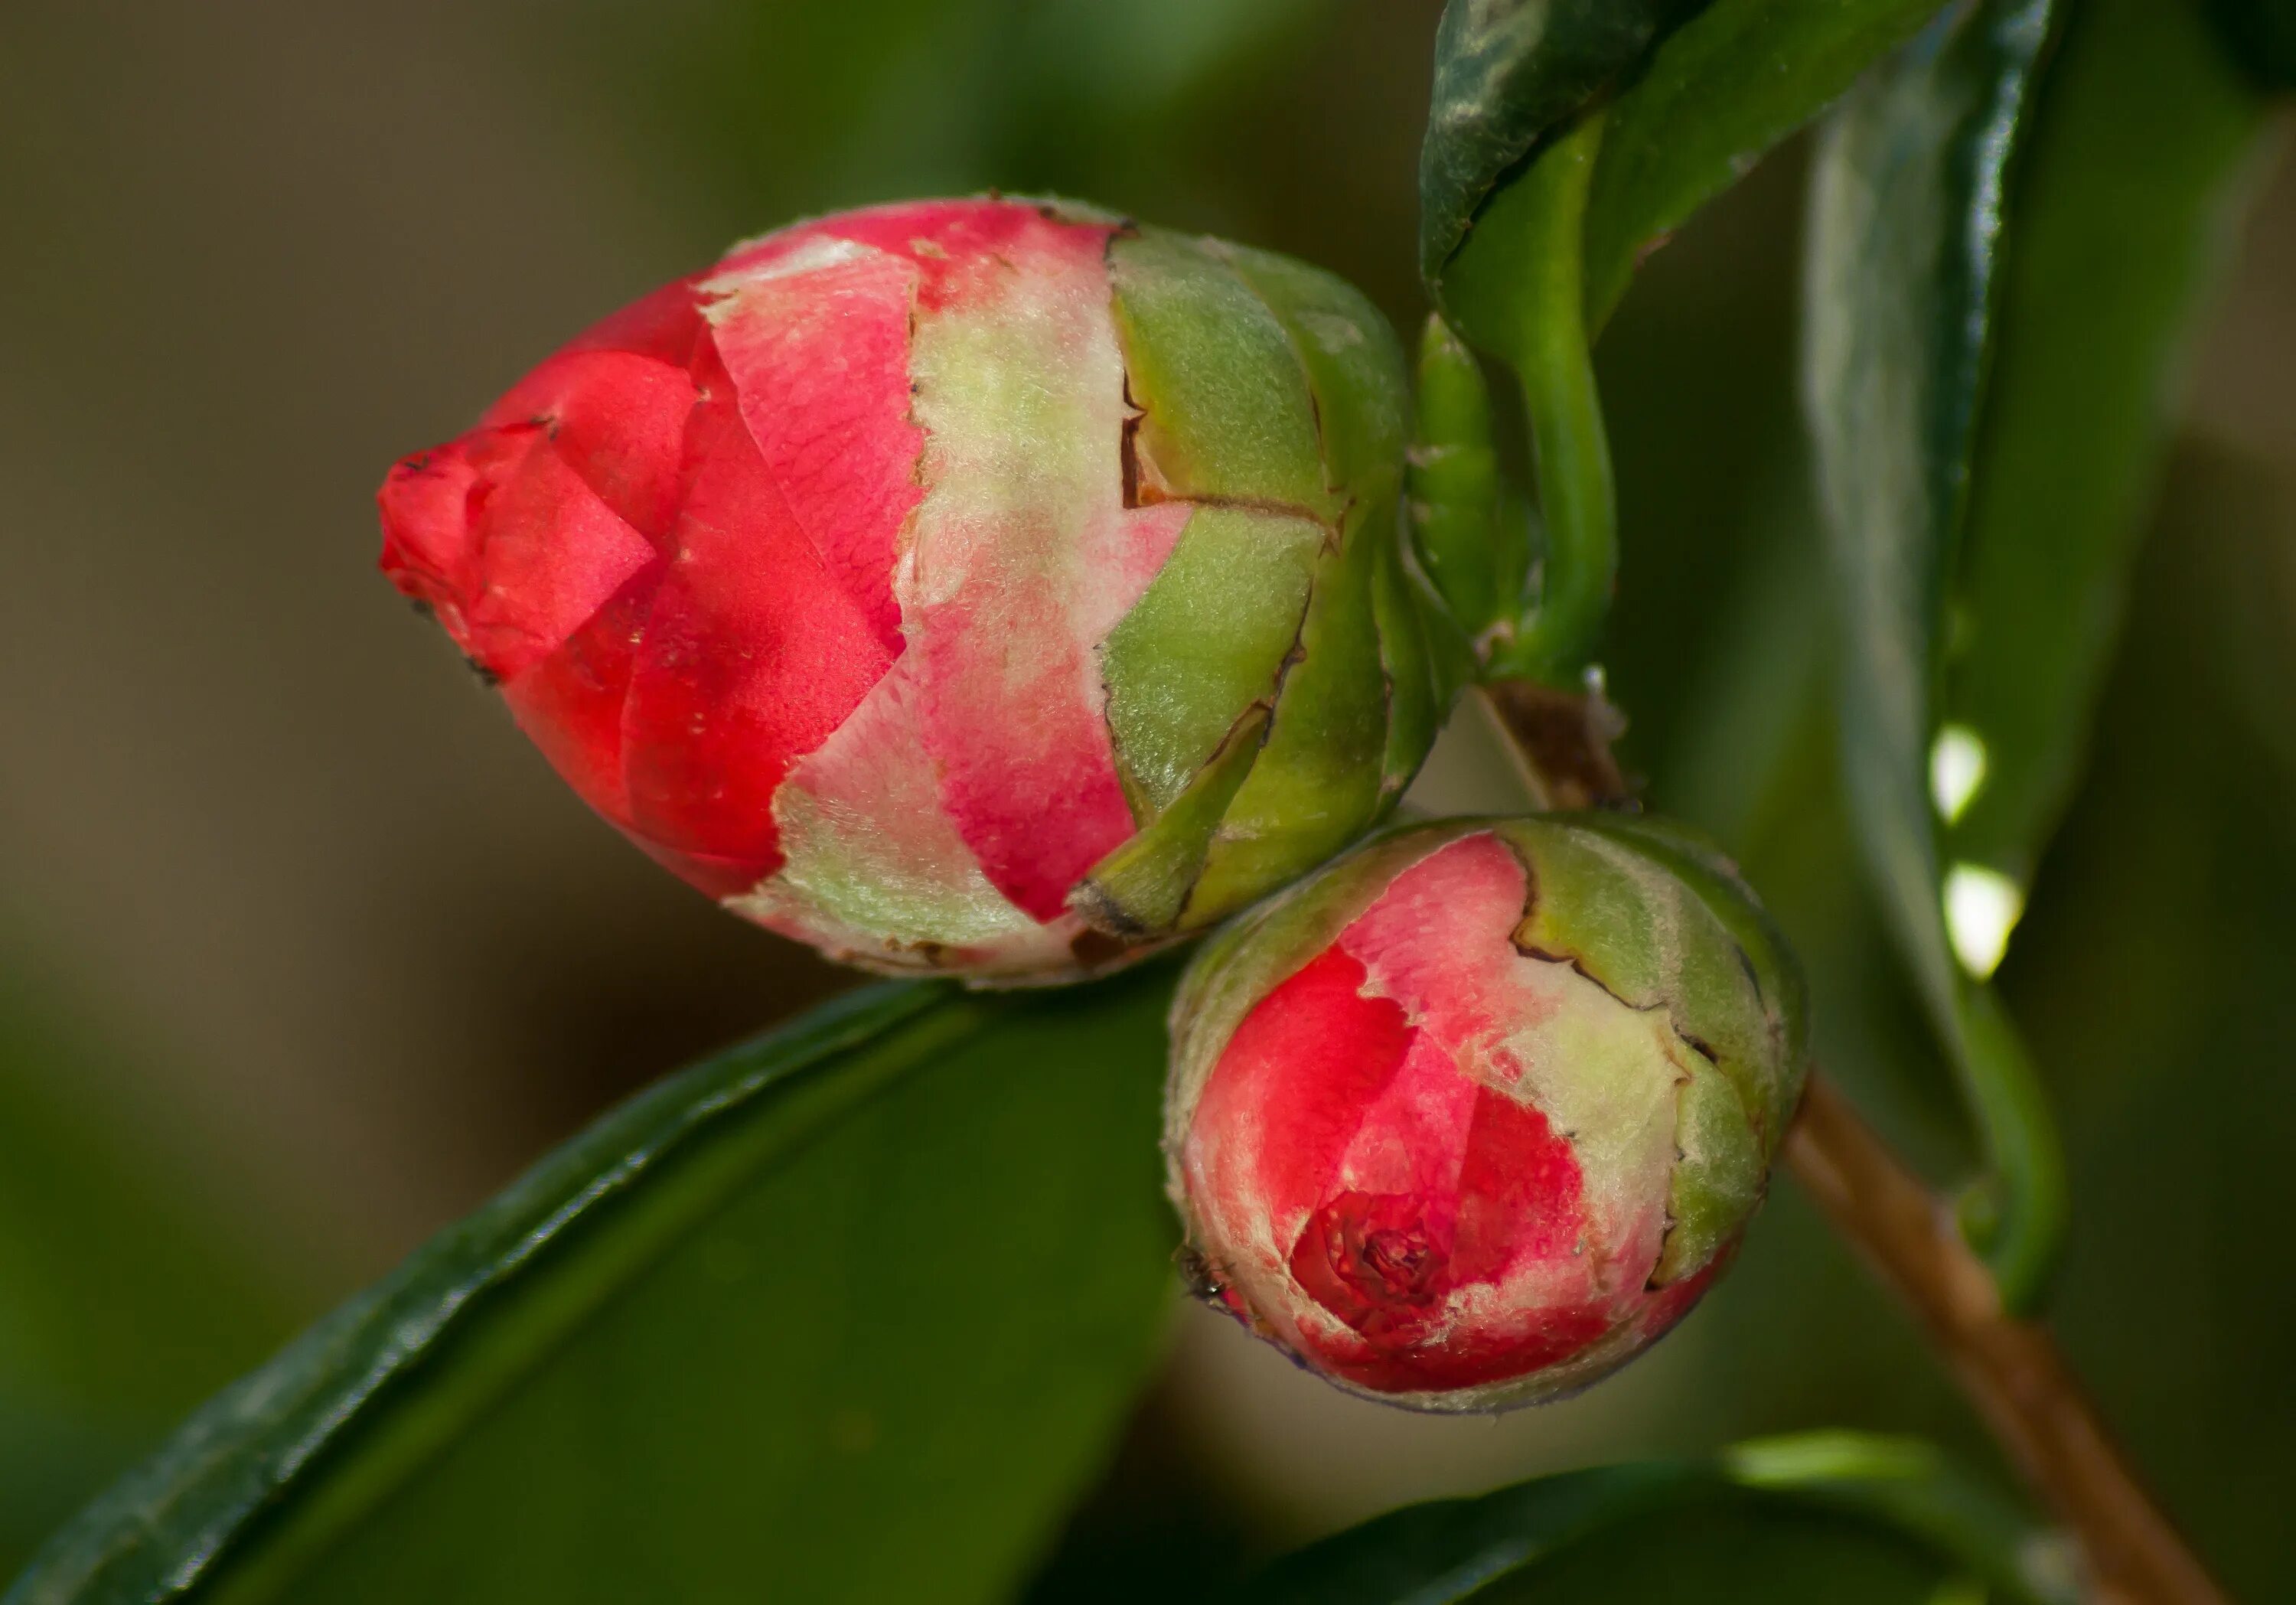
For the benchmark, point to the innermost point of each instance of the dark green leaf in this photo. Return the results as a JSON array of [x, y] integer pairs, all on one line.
[[1718, 93], [2000, 276], [1507, 74], [2122, 215], [1828, 1518], [1530, 233], [1905, 248], [849, 1313]]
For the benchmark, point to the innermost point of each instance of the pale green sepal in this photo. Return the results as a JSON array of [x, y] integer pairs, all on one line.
[[1633, 924], [1775, 971], [1354, 367], [1425, 659], [1316, 786], [1206, 640], [1139, 890], [1226, 409], [1719, 1172]]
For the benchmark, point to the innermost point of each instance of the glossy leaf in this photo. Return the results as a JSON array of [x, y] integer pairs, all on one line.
[[1826, 1518], [849, 1313], [1984, 396], [1712, 88], [1718, 93], [1508, 73], [2123, 217], [1904, 234], [1538, 199]]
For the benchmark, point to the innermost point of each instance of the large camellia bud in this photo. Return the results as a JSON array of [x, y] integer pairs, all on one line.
[[967, 586], [1471, 1118]]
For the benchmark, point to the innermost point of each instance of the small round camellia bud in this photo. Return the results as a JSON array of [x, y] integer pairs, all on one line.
[[982, 587], [1472, 1117]]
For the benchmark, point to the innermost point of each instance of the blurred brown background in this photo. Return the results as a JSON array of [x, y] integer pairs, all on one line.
[[303, 951]]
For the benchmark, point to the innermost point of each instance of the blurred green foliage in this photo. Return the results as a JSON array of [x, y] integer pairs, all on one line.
[[124, 1300]]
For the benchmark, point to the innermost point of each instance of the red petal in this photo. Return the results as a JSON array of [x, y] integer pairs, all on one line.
[[820, 358], [665, 326], [507, 543], [551, 555], [1287, 1097], [1521, 1193], [1440, 937], [429, 546], [618, 419], [570, 702], [955, 244], [1027, 769], [753, 655]]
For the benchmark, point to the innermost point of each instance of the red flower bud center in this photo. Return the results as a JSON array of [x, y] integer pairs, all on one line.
[[1373, 1259]]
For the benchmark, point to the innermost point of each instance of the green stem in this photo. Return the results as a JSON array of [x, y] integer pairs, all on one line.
[[1547, 345], [2016, 1216]]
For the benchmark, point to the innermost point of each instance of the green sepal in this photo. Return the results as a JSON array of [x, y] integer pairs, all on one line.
[[1703, 866], [1719, 1173], [1632, 923], [1274, 395], [1425, 657], [1206, 640], [1354, 367], [1226, 411], [1316, 785], [1655, 916], [1141, 888]]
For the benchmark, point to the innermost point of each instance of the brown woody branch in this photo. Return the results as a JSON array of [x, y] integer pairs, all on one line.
[[1561, 742], [2010, 1368]]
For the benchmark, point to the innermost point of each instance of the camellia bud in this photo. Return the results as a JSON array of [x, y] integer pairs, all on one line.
[[978, 586], [1472, 1117]]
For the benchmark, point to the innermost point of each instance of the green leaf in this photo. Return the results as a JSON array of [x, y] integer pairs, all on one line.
[[1727, 87], [2124, 213], [1906, 216], [1719, 85], [1821, 1518], [848, 1314], [1508, 74], [1990, 336], [1538, 201]]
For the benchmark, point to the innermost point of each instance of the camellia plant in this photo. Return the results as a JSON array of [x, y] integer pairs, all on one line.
[[1000, 591]]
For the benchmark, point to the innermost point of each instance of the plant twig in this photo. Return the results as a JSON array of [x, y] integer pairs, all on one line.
[[2010, 1368], [1561, 742]]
